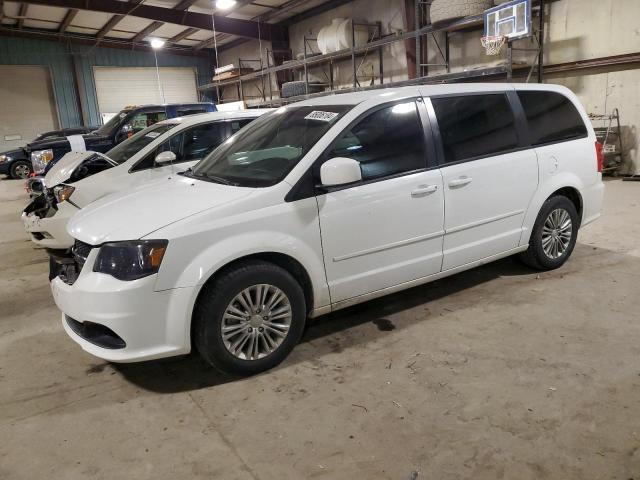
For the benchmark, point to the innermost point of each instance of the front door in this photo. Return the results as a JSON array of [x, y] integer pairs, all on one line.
[[387, 229], [488, 178]]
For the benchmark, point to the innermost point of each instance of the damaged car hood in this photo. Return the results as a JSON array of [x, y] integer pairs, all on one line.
[[61, 172], [149, 207]]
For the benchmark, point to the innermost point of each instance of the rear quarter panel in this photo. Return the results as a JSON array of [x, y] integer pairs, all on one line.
[[566, 164]]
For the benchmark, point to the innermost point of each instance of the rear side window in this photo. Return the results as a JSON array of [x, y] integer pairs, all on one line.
[[475, 126], [201, 140], [552, 117], [238, 124], [387, 142]]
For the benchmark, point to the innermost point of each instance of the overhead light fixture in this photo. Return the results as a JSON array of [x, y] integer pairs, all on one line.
[[156, 43], [225, 4]]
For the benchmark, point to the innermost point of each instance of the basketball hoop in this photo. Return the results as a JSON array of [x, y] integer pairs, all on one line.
[[492, 45]]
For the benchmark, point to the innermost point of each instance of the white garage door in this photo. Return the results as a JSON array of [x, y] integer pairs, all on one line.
[[28, 105], [117, 87]]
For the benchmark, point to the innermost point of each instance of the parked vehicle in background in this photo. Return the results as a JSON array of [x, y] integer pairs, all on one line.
[[16, 164], [154, 153], [132, 119], [325, 204]]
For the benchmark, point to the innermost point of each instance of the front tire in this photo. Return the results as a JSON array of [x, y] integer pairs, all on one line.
[[20, 169], [249, 318], [554, 234]]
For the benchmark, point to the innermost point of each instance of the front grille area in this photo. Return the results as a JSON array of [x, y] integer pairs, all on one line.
[[67, 266]]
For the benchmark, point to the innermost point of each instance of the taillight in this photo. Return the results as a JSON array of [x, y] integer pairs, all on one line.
[[599, 156]]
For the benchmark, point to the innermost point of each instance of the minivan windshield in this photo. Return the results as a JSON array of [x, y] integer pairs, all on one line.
[[264, 152], [127, 149]]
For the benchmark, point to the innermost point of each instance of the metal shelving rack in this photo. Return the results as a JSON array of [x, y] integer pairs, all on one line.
[[470, 23], [609, 134]]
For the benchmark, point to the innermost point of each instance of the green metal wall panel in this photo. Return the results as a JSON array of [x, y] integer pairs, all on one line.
[[59, 57]]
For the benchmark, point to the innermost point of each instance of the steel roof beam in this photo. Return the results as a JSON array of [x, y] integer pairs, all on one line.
[[232, 26]]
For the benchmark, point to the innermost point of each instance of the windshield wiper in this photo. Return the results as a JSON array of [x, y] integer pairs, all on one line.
[[212, 178], [224, 181]]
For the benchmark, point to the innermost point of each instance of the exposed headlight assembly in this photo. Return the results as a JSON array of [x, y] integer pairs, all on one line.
[[62, 192], [5, 158], [130, 260], [40, 158]]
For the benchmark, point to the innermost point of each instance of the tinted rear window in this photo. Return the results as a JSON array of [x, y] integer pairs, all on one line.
[[552, 117], [475, 126]]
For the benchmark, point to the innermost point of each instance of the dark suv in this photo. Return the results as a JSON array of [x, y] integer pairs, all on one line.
[[45, 153], [17, 164]]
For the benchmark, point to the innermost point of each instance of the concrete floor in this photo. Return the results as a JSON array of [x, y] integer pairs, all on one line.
[[498, 372]]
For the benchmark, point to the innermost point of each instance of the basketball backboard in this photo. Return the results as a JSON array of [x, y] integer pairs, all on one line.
[[511, 20]]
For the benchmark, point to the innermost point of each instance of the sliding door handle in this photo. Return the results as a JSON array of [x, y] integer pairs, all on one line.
[[423, 190], [460, 182]]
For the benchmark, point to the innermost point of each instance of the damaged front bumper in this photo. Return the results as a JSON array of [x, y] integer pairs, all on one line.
[[35, 186], [46, 224]]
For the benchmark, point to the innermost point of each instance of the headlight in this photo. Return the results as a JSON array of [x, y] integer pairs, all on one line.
[[5, 158], [130, 260], [40, 158], [62, 192]]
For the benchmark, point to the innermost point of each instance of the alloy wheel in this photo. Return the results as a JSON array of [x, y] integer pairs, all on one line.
[[556, 233], [256, 322], [22, 171]]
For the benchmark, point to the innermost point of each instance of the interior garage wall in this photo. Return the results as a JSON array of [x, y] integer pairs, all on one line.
[[87, 59], [389, 12], [63, 58], [578, 30], [248, 50]]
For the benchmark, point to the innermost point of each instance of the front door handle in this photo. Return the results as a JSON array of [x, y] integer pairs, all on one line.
[[423, 190], [460, 182]]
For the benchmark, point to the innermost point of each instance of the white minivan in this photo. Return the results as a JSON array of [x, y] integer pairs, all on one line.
[[324, 204], [80, 178]]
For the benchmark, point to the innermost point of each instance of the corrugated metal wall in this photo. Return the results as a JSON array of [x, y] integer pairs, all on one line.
[[60, 57]]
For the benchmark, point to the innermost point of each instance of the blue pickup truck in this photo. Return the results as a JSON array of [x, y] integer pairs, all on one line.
[[130, 120]]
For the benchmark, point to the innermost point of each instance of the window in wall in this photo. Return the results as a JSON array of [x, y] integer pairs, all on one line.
[[551, 117], [475, 126], [386, 142]]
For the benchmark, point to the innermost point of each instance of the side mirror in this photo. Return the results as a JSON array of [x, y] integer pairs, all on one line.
[[340, 171], [164, 158]]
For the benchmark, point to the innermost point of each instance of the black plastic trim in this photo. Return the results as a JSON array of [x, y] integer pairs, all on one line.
[[96, 334]]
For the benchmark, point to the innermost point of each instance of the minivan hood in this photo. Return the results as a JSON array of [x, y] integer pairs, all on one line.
[[138, 212], [62, 170]]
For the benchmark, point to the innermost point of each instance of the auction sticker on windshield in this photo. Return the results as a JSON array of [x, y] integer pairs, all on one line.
[[322, 116], [153, 134]]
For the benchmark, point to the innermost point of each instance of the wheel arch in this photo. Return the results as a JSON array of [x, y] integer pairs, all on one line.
[[572, 194], [565, 184], [287, 262]]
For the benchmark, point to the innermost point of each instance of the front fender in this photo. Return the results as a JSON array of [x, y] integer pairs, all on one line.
[[192, 259]]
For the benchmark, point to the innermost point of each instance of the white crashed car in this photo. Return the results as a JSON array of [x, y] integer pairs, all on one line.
[[158, 151]]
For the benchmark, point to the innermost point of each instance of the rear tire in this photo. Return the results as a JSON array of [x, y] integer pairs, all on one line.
[[262, 310], [553, 236], [20, 169]]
